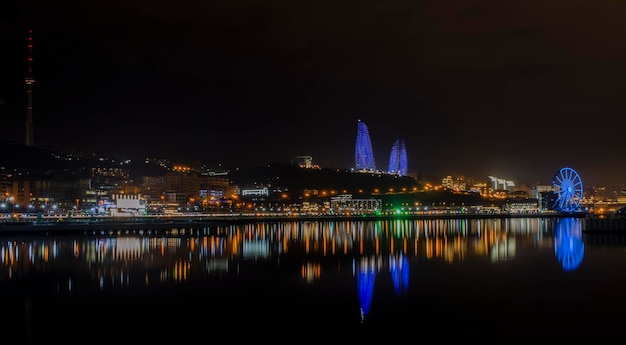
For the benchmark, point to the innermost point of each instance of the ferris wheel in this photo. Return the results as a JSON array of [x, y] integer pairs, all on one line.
[[568, 188]]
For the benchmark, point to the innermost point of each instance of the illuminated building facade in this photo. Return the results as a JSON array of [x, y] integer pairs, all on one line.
[[344, 204], [501, 184], [363, 156], [397, 159], [127, 205], [304, 161]]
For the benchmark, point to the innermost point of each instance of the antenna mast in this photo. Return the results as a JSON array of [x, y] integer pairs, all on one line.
[[30, 81]]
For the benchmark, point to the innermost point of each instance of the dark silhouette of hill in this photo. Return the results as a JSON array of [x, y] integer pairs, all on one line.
[[393, 190], [440, 198], [295, 179], [17, 156]]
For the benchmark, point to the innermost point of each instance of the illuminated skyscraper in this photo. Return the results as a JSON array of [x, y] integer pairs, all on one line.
[[363, 156], [397, 159]]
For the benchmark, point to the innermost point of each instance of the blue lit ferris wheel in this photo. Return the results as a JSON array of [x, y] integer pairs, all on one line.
[[568, 188]]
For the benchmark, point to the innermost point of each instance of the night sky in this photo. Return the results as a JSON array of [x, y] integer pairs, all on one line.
[[513, 89]]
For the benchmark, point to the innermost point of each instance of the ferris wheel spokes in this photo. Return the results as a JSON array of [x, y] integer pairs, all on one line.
[[569, 189]]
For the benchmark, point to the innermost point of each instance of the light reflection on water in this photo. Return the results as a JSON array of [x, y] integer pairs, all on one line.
[[371, 272], [113, 259]]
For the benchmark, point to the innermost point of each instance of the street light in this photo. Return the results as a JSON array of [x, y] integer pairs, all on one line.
[[12, 200]]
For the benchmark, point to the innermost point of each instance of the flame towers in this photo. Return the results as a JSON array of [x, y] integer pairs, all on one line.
[[397, 159], [363, 155]]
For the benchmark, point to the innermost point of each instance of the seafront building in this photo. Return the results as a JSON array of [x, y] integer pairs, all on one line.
[[126, 206], [344, 204]]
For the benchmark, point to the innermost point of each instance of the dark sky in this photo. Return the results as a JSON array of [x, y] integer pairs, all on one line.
[[513, 89]]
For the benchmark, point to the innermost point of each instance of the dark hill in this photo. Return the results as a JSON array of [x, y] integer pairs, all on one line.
[[293, 178], [17, 156]]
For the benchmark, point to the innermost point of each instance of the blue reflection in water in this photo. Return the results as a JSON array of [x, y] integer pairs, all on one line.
[[399, 268], [568, 243], [366, 276]]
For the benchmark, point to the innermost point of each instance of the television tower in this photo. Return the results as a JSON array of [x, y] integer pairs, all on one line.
[[30, 81]]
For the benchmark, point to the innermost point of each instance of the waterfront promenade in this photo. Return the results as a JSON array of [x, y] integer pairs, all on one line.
[[66, 225]]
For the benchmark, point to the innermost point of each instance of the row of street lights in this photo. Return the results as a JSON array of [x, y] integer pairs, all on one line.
[[10, 206]]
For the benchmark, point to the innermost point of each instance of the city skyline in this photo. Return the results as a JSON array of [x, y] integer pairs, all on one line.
[[475, 89]]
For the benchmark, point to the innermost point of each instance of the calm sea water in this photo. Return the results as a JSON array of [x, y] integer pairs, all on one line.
[[488, 280]]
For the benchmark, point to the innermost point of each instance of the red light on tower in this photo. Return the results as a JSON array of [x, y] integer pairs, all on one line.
[[30, 81], [29, 77]]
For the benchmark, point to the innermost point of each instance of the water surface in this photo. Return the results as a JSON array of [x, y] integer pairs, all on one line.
[[454, 280]]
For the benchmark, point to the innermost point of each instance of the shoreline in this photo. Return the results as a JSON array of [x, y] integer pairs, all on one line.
[[162, 224]]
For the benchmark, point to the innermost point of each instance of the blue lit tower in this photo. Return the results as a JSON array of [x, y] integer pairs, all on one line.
[[403, 167], [394, 158], [397, 158], [363, 156]]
